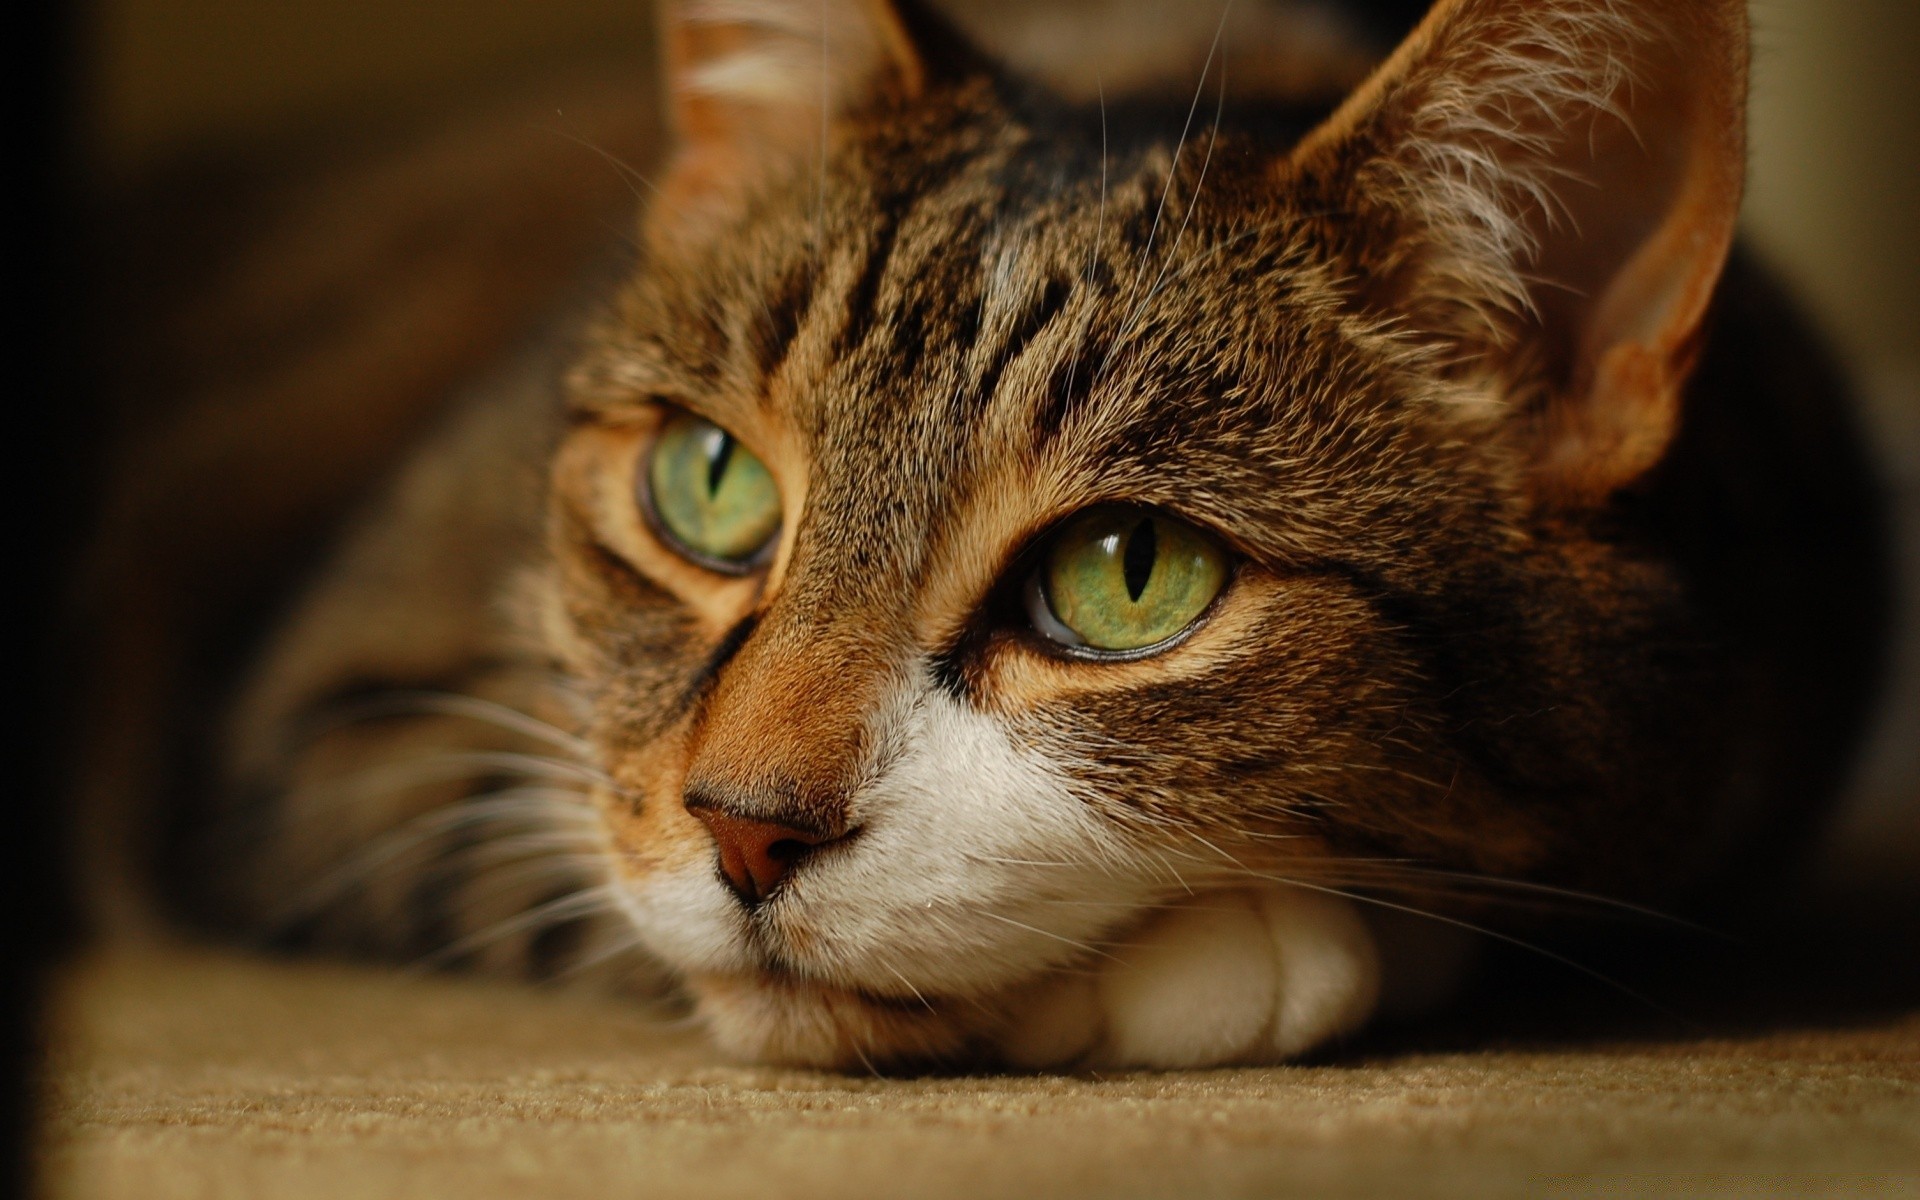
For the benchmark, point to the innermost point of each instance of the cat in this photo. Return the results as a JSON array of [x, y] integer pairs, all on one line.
[[1048, 569]]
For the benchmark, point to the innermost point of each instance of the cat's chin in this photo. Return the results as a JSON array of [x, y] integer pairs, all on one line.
[[1243, 976], [782, 1019]]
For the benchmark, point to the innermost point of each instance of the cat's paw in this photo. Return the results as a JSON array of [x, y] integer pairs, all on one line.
[[1246, 976]]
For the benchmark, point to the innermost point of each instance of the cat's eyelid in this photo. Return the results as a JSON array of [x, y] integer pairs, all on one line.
[[1057, 520], [631, 405], [625, 409], [737, 422]]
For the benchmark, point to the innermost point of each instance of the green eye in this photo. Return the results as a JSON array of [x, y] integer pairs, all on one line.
[[1124, 579], [708, 496]]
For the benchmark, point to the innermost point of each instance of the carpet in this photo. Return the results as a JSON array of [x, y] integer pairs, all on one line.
[[190, 1073]]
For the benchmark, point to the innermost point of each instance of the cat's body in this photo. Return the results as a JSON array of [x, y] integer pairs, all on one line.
[[1496, 613]]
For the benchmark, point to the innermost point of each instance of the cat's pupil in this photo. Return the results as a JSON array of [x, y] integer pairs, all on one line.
[[717, 465], [1136, 563]]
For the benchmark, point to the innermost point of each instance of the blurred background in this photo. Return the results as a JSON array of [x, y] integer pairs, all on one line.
[[1834, 194], [1836, 162]]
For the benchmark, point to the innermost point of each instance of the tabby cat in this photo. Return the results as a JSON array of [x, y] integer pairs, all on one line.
[[1049, 562]]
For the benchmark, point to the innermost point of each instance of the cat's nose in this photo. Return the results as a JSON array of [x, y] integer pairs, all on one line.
[[755, 854]]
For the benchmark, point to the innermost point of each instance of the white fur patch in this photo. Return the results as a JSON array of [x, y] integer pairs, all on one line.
[[1329, 968], [689, 920], [1199, 988], [1251, 976], [976, 864], [975, 867]]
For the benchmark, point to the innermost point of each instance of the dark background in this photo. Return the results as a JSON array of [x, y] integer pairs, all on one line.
[[50, 426]]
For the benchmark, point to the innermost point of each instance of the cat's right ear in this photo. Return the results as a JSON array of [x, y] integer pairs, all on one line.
[[1550, 187], [754, 87]]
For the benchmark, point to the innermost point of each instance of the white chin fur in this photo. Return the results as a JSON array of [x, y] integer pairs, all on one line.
[[1244, 977]]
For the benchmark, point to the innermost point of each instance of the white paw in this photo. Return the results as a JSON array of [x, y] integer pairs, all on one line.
[[1249, 976]]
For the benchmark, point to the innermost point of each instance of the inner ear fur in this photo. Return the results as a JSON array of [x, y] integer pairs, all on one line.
[[754, 85], [1551, 187]]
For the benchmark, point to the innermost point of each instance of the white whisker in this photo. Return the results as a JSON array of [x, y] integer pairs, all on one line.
[[1244, 871], [1173, 173], [1087, 947]]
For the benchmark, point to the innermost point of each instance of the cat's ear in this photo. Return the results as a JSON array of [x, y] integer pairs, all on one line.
[[1552, 184], [754, 85]]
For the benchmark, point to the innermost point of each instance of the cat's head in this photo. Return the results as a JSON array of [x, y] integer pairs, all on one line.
[[983, 521]]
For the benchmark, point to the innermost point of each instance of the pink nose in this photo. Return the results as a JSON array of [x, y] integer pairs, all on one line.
[[756, 855]]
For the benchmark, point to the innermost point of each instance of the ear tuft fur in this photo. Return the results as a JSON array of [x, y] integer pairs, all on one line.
[[1550, 186], [1477, 163]]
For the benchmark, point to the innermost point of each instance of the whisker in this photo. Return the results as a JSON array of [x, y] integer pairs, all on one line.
[[630, 175], [1469, 926], [1391, 871], [454, 704], [1549, 890], [908, 984], [1093, 250], [1173, 172], [1086, 947], [628, 944], [1193, 202], [533, 805], [580, 903], [1521, 943], [998, 860], [447, 767], [581, 846], [506, 878]]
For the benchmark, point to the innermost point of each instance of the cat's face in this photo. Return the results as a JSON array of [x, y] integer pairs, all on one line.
[[972, 542]]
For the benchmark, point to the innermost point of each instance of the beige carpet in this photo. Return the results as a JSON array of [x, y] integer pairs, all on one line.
[[194, 1075]]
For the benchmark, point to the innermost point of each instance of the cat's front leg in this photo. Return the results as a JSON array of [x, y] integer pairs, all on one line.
[[1244, 976]]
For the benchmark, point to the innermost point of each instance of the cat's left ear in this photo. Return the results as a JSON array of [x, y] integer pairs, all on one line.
[[1553, 186], [754, 86]]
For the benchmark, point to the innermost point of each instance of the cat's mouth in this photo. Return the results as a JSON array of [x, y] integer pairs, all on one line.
[[780, 1009], [775, 970]]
